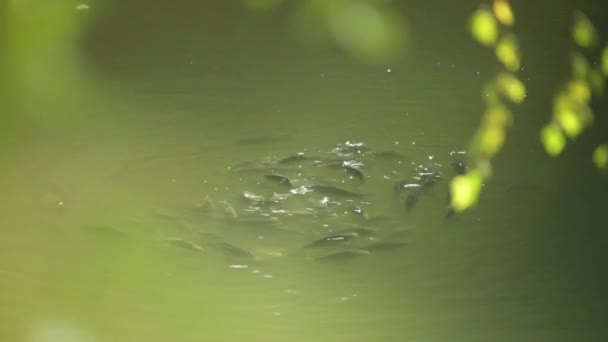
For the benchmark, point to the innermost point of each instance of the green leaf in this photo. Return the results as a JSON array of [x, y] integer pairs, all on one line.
[[465, 189], [498, 116], [570, 122], [553, 139], [507, 53], [503, 12], [580, 66], [484, 27], [492, 138], [597, 81], [584, 32], [600, 156], [511, 87], [579, 91]]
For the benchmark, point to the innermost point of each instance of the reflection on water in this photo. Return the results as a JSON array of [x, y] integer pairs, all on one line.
[[219, 200]]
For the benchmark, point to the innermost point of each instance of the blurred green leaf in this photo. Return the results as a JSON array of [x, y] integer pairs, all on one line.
[[507, 53], [367, 32], [553, 139], [491, 140], [597, 81], [570, 122], [465, 189], [484, 27], [497, 116], [605, 61], [580, 66], [600, 156], [511, 87], [579, 91], [503, 12], [584, 32]]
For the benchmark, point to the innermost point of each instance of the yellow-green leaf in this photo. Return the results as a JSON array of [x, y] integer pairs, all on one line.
[[579, 91], [580, 66], [605, 61], [465, 190], [570, 122], [553, 139], [484, 27], [600, 156], [597, 81], [511, 87], [491, 139], [584, 32], [503, 12], [507, 53], [498, 116]]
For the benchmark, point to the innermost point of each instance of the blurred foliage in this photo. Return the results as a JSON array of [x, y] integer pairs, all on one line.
[[40, 60], [366, 29], [491, 28], [503, 12], [572, 112], [507, 52], [464, 189], [584, 32], [484, 27], [600, 157]]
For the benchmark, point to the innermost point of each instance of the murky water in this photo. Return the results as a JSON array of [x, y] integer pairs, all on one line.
[[92, 191]]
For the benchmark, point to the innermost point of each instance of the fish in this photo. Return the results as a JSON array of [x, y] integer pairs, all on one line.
[[460, 168], [355, 172], [294, 158], [230, 250], [352, 167], [207, 205], [343, 255], [411, 199], [350, 148], [184, 244], [332, 240], [257, 200], [229, 212], [278, 179], [388, 155], [407, 185], [359, 212], [357, 231], [331, 190]]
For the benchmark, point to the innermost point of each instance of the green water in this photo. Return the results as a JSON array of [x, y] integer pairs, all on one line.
[[94, 180]]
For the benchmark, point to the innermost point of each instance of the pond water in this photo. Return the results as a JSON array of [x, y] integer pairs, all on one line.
[[104, 237]]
